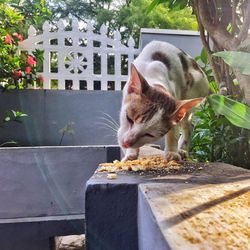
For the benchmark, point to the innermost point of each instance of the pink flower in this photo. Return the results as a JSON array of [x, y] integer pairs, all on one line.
[[18, 36], [31, 61], [8, 39], [27, 70], [16, 74]]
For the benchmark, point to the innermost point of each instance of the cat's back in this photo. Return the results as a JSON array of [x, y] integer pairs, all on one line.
[[159, 62], [161, 57], [163, 63], [156, 47]]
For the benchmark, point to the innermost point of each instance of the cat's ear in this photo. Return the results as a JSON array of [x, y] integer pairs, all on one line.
[[137, 83], [183, 106]]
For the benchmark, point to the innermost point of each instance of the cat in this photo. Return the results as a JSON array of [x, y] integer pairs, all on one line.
[[164, 84]]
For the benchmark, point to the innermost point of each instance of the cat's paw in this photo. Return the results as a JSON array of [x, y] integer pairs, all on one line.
[[183, 153], [170, 156], [130, 157]]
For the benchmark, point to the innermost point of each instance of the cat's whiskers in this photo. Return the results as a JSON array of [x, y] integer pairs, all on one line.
[[110, 122], [110, 118], [106, 126], [107, 122]]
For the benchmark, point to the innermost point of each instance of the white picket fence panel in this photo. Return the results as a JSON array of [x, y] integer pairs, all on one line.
[[75, 50]]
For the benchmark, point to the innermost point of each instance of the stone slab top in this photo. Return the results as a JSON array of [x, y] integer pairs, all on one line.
[[199, 206], [188, 173], [201, 216]]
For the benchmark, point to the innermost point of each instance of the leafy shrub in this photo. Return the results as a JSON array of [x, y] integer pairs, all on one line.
[[221, 127], [16, 70], [215, 138], [11, 116]]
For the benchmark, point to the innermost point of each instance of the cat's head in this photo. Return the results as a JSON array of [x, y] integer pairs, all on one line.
[[148, 113]]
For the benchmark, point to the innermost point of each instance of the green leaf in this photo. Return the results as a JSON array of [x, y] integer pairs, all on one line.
[[213, 86], [19, 114], [7, 143], [197, 58], [12, 115], [237, 113], [7, 119], [153, 4], [8, 116], [237, 60], [203, 56], [177, 4]]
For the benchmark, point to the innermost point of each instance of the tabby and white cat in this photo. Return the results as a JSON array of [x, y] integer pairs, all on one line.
[[157, 97]]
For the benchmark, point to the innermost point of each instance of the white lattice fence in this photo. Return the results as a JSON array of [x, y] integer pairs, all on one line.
[[79, 59]]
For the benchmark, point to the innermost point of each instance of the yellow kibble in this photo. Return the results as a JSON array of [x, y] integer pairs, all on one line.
[[143, 163]]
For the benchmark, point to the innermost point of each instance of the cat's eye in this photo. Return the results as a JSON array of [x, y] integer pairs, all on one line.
[[148, 135], [129, 120]]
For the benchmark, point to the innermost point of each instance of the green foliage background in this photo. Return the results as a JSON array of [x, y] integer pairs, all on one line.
[[133, 17], [222, 124], [125, 16]]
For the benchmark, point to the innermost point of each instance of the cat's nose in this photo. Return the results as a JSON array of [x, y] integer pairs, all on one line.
[[125, 144]]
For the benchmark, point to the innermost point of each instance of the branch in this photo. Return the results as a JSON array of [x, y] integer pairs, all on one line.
[[219, 34], [205, 42], [233, 17], [215, 10], [244, 28]]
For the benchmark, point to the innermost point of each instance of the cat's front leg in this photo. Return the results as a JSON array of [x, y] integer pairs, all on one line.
[[184, 140], [131, 154], [171, 145]]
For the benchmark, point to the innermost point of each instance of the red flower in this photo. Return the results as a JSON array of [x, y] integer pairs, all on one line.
[[16, 74], [18, 36], [8, 39], [27, 70], [31, 61]]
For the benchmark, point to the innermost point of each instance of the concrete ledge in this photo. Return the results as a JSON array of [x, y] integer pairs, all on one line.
[[194, 216], [37, 233], [42, 192], [113, 220]]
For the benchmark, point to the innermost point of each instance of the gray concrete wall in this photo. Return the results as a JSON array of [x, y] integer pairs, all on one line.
[[189, 41], [43, 192], [47, 181], [49, 111]]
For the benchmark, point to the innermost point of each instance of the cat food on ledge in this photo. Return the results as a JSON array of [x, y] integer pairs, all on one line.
[[141, 164]]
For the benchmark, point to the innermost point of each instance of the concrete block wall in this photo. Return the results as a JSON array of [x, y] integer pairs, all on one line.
[[42, 192], [127, 212], [51, 110]]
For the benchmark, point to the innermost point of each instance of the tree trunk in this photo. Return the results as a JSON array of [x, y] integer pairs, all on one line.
[[222, 39], [244, 81]]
